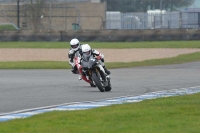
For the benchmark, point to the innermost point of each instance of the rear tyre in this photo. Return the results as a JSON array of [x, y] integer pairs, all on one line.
[[98, 82]]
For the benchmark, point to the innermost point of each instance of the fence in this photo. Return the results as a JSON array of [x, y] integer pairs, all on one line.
[[167, 20], [64, 15], [54, 15]]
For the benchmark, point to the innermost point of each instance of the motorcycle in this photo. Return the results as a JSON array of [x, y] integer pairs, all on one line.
[[95, 73]]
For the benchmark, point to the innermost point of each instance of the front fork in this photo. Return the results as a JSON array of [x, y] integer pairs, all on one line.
[[101, 73]]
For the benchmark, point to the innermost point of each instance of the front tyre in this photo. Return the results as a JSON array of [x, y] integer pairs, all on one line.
[[109, 87], [96, 79]]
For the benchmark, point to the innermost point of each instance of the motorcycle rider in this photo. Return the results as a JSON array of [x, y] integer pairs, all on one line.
[[75, 46], [87, 51]]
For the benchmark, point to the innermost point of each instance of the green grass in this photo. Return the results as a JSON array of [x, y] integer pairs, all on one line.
[[65, 65], [184, 58], [106, 45], [164, 115], [35, 65], [7, 27]]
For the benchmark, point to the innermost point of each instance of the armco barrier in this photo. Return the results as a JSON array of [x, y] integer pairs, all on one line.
[[102, 35]]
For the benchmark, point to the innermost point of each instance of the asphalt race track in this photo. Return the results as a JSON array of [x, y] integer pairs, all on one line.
[[26, 89]]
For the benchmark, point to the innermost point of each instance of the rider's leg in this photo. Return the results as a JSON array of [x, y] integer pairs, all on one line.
[[106, 70]]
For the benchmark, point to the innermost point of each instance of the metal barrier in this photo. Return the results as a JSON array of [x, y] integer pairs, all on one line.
[[143, 20]]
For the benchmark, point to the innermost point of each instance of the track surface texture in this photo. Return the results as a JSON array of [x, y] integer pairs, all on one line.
[[26, 89]]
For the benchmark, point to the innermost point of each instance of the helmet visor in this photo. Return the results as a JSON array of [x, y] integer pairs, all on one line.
[[74, 46], [86, 53]]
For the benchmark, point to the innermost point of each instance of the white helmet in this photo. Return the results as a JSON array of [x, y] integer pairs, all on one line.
[[75, 44], [86, 49]]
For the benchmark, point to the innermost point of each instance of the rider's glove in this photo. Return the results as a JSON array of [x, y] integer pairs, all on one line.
[[98, 57]]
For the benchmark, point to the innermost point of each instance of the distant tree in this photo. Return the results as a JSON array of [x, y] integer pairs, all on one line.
[[144, 5], [34, 8]]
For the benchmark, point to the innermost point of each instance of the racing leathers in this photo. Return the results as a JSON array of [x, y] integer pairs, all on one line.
[[71, 55]]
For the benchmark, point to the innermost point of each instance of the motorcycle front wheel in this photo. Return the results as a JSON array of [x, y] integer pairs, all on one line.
[[98, 82], [109, 87]]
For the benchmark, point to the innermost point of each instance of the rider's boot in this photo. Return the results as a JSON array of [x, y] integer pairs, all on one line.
[[106, 70], [74, 70], [80, 77]]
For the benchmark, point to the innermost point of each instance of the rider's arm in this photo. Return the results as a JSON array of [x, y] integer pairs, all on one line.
[[71, 57], [97, 53]]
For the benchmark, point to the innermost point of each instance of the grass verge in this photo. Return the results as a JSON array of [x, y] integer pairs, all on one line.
[[106, 45], [164, 115], [7, 27], [65, 65]]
